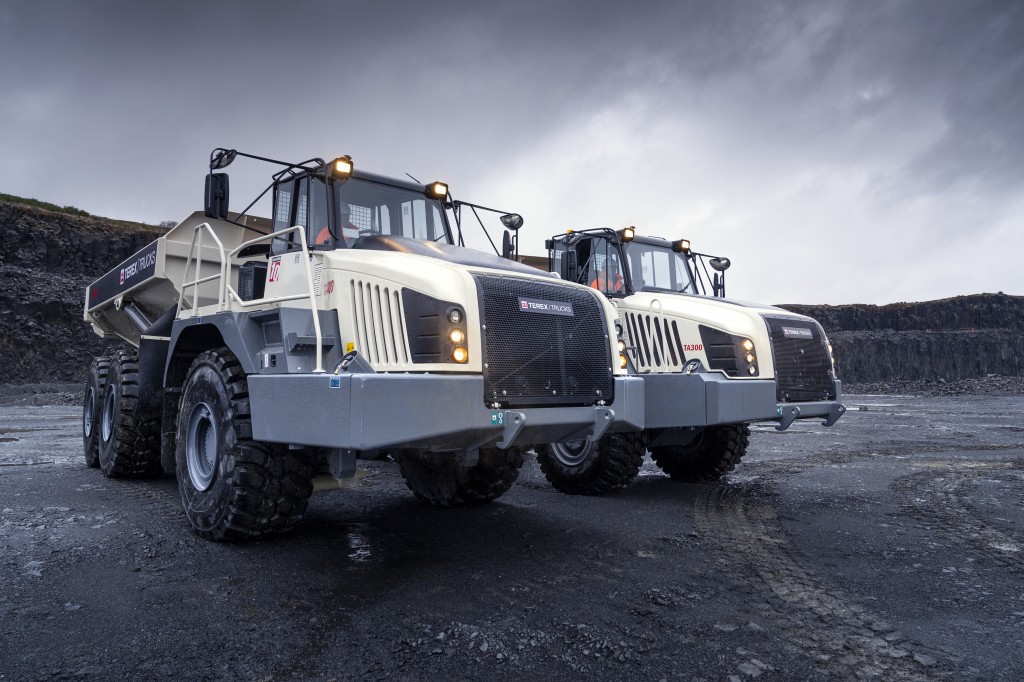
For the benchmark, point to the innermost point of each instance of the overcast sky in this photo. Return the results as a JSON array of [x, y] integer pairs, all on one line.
[[838, 152]]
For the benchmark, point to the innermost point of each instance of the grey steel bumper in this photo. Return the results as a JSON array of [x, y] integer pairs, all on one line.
[[705, 399], [434, 411]]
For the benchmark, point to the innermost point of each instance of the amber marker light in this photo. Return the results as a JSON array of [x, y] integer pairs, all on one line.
[[622, 361], [342, 167], [460, 354]]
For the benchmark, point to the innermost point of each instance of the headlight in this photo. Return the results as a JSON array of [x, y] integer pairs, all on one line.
[[750, 358], [622, 346], [457, 336], [455, 316], [748, 344]]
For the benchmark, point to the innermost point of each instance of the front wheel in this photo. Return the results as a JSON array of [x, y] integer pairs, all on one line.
[[591, 468], [437, 478], [715, 452], [232, 487]]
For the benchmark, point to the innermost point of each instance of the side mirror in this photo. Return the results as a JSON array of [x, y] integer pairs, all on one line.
[[720, 264], [506, 246], [512, 221], [216, 204]]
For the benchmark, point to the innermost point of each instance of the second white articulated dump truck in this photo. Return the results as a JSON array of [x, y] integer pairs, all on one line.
[[710, 366], [267, 355]]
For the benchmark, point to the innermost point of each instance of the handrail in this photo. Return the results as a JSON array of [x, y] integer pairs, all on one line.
[[199, 231], [226, 293]]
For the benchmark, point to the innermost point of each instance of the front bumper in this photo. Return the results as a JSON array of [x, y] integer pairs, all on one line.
[[706, 399], [432, 411]]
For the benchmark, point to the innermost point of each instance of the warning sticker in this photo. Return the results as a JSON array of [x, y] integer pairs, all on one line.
[[275, 269]]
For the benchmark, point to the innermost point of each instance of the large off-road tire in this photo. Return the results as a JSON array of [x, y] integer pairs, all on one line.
[[438, 478], [91, 406], [588, 468], [129, 434], [717, 451], [232, 487]]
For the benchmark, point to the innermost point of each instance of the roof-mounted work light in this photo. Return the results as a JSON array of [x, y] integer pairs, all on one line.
[[681, 245], [342, 167], [627, 233], [437, 190]]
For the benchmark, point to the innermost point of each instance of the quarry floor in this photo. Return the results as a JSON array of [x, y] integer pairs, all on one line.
[[889, 546]]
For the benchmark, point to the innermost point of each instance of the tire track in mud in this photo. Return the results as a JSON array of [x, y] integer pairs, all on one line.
[[938, 497], [842, 639]]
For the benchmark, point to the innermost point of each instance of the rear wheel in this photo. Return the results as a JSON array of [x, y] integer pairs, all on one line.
[[717, 451], [129, 434], [591, 468], [438, 478], [232, 487], [91, 404]]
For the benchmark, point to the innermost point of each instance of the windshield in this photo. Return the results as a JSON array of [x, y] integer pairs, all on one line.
[[658, 267], [335, 215], [365, 208]]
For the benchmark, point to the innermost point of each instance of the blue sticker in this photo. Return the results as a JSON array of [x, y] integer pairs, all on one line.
[[497, 418], [335, 382]]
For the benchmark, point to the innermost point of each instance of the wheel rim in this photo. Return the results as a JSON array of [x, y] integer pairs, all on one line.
[[90, 405], [107, 420], [201, 446], [572, 452]]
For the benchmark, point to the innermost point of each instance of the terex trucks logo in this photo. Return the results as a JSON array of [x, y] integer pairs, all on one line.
[[797, 332], [536, 305], [141, 264]]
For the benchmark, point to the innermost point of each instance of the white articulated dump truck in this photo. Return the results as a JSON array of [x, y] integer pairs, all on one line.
[[710, 366], [269, 354]]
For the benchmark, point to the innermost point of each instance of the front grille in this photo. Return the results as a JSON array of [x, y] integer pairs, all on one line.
[[802, 364], [656, 342], [379, 324], [543, 344]]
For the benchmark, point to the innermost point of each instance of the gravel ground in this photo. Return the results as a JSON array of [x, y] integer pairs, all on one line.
[[886, 547]]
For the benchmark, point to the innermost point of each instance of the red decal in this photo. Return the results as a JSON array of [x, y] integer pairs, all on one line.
[[329, 287], [693, 346], [275, 269]]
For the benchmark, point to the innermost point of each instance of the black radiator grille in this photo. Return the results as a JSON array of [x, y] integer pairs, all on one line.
[[543, 344], [802, 364]]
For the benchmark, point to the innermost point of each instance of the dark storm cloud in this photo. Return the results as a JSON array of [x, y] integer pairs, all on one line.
[[889, 120]]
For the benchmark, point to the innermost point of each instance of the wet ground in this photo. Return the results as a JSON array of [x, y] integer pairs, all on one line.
[[887, 547]]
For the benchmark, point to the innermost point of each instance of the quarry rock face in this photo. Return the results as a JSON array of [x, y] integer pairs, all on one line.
[[47, 259], [951, 339]]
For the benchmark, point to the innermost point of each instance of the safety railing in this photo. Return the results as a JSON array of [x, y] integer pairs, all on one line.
[[226, 294]]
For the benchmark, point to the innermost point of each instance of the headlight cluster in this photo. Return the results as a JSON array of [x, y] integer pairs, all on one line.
[[621, 346], [457, 336], [749, 357]]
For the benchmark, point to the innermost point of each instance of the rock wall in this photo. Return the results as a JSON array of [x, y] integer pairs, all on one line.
[[47, 259], [951, 339]]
